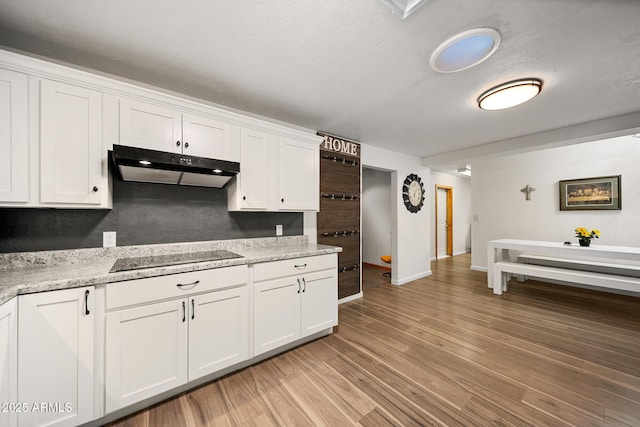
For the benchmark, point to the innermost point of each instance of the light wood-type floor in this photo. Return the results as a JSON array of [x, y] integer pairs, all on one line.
[[441, 351]]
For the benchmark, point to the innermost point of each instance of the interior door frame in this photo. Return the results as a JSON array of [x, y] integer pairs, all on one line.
[[449, 191]]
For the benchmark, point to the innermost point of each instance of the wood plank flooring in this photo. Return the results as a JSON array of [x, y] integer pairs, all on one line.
[[441, 351]]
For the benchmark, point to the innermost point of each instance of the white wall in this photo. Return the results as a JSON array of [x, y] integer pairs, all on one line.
[[376, 215], [461, 211], [410, 234], [504, 213]]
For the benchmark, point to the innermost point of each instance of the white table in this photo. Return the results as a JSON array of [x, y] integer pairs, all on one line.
[[498, 250]]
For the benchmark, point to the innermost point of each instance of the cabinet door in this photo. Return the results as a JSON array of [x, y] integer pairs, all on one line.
[[146, 352], [150, 126], [298, 176], [218, 331], [254, 170], [14, 143], [206, 137], [319, 301], [276, 315], [8, 360], [56, 354], [71, 152]]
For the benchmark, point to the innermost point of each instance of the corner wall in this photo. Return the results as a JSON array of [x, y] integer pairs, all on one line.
[[410, 236], [503, 212]]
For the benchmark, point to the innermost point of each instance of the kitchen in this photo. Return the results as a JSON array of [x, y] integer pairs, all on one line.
[[73, 116]]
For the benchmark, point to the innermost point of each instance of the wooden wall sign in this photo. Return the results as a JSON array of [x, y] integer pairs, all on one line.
[[339, 216]]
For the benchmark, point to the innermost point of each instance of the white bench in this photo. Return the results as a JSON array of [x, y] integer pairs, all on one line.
[[581, 264], [502, 269]]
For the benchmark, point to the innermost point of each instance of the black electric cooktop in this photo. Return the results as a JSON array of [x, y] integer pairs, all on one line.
[[137, 263]]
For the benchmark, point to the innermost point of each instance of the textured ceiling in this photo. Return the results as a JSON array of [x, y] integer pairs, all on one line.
[[352, 68]]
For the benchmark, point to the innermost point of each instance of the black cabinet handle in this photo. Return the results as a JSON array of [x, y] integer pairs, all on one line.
[[177, 143], [193, 309], [184, 311], [94, 189], [187, 286], [301, 266], [304, 282], [298, 285], [244, 197], [186, 145], [281, 200], [86, 302]]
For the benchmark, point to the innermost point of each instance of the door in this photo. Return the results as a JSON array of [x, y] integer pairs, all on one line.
[[444, 221], [8, 361], [206, 137], [14, 141], [299, 176], [218, 331], [319, 301], [254, 169], [146, 352], [56, 357], [150, 126], [70, 144], [276, 318]]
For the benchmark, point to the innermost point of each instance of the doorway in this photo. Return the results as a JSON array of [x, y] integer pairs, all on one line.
[[444, 221]]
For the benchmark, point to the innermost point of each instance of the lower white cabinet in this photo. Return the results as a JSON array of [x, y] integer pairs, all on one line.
[[56, 357], [9, 363], [293, 299], [155, 347]]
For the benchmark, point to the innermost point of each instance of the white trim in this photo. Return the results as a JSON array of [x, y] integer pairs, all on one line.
[[479, 268], [411, 278], [350, 298]]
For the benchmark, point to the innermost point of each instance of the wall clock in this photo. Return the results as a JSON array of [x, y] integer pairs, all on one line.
[[413, 193]]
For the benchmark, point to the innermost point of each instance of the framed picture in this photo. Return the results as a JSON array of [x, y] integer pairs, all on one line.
[[602, 193]]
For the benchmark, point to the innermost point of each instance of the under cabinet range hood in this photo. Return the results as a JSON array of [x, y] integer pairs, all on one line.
[[143, 165]]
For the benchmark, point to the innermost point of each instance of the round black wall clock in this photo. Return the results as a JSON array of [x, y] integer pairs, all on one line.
[[413, 193]]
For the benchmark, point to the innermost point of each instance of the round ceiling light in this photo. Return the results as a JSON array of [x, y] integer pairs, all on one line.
[[465, 50], [509, 94]]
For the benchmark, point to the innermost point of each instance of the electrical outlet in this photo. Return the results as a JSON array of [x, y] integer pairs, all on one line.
[[279, 230], [108, 239]]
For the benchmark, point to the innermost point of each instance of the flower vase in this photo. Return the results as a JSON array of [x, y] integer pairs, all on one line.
[[584, 242]]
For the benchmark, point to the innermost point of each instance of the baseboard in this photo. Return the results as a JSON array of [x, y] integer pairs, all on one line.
[[479, 268], [412, 278], [461, 253], [350, 298]]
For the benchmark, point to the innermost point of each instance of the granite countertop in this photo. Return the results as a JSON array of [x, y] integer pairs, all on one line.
[[30, 272]]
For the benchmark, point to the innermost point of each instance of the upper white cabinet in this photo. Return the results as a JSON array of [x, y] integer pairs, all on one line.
[[298, 176], [56, 357], [71, 154], [8, 361], [276, 174], [14, 137], [160, 128]]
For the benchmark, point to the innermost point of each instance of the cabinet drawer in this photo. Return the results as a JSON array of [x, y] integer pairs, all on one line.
[[140, 291], [295, 266]]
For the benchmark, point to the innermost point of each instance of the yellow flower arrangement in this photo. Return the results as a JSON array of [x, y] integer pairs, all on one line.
[[584, 234]]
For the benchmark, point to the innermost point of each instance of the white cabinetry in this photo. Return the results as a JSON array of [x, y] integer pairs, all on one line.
[[293, 299], [276, 174], [14, 140], [8, 361], [199, 325], [160, 128], [298, 176], [56, 357], [71, 155]]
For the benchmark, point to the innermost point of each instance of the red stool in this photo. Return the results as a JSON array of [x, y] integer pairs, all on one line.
[[387, 259]]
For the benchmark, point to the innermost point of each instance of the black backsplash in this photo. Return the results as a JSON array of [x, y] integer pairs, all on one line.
[[142, 214]]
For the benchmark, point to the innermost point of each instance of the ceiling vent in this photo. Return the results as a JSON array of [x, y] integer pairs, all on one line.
[[403, 8]]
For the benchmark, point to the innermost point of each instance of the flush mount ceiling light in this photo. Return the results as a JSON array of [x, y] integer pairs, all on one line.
[[403, 8], [509, 94], [465, 50]]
